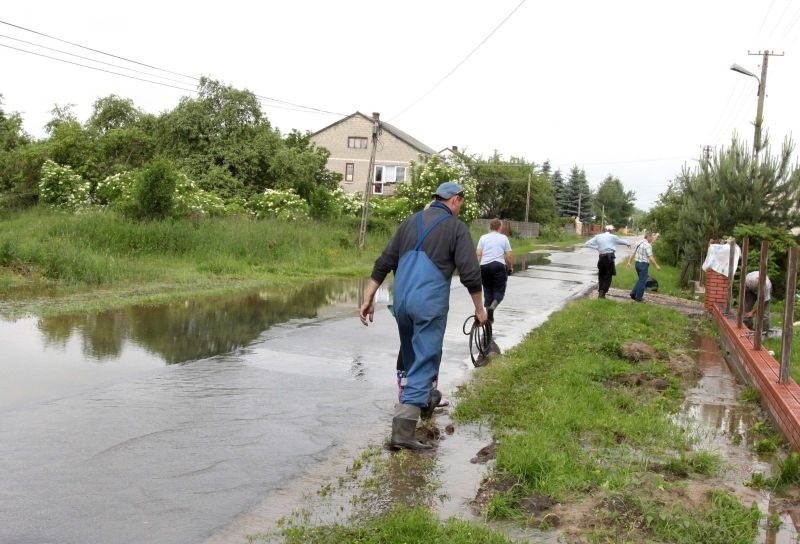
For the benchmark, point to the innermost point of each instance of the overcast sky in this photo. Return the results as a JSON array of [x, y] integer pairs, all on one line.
[[628, 88]]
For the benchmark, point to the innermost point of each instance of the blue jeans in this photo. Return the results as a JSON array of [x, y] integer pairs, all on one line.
[[638, 290]]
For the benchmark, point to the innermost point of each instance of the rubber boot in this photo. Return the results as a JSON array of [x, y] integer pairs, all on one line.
[[433, 402], [404, 426]]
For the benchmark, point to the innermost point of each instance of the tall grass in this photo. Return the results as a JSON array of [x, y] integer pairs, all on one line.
[[103, 248]]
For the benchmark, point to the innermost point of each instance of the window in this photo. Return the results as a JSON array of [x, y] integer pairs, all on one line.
[[349, 171], [377, 186], [356, 142], [390, 174]]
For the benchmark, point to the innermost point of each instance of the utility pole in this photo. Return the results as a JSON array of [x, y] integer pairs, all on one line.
[[762, 91], [528, 198], [376, 129]]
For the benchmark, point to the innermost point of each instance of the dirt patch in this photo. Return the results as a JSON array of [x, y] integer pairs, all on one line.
[[685, 306], [485, 454]]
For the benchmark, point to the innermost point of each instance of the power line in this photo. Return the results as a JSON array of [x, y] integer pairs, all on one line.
[[90, 59], [96, 68], [195, 79], [448, 74], [97, 50]]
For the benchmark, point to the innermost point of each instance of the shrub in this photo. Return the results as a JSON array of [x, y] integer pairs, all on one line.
[[279, 204], [115, 189], [60, 187], [190, 200], [155, 190], [393, 208]]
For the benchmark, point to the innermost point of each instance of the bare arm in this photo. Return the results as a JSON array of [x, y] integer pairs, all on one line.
[[367, 311], [480, 311]]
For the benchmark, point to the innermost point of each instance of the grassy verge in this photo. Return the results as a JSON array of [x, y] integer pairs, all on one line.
[[55, 263], [570, 426], [576, 424]]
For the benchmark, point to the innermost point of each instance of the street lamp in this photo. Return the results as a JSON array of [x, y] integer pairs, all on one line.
[[760, 108]]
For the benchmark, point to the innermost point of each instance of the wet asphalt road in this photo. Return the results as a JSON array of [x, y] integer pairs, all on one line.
[[182, 453]]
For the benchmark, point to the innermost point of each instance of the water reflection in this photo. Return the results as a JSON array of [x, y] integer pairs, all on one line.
[[722, 424], [198, 328], [530, 259]]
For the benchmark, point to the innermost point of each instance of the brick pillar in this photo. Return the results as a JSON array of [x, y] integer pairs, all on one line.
[[716, 290]]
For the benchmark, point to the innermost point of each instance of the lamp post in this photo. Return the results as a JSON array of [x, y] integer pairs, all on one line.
[[762, 83]]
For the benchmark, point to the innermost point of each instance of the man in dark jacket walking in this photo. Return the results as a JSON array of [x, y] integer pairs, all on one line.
[[423, 254]]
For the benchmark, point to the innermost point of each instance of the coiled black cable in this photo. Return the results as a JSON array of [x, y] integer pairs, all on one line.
[[480, 340]]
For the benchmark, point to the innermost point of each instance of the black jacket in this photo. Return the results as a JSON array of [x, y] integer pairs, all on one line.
[[449, 246]]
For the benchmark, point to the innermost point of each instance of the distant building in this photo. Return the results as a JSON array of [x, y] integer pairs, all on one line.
[[349, 141], [452, 153]]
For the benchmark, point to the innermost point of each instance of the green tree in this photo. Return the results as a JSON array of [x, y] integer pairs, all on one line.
[[578, 195], [560, 194], [426, 176], [612, 203], [724, 192], [113, 112], [21, 160], [501, 186]]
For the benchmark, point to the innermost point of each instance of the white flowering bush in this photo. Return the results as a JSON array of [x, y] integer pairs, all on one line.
[[116, 188], [191, 200], [427, 177], [350, 204], [394, 208], [285, 205], [60, 187], [119, 190]]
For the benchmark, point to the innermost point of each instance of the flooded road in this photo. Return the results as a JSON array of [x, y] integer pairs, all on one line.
[[208, 420], [185, 422]]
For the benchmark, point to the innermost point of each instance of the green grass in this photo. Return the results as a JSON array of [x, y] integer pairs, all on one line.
[[667, 279], [567, 427], [100, 260], [402, 525]]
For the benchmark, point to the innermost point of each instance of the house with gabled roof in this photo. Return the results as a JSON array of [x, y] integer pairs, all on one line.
[[349, 141]]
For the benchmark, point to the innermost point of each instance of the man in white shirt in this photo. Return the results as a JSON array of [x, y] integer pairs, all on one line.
[[605, 244]]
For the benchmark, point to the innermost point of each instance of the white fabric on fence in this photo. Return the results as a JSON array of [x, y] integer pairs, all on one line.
[[718, 257]]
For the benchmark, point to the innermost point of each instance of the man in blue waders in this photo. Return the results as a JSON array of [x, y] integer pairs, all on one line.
[[423, 254]]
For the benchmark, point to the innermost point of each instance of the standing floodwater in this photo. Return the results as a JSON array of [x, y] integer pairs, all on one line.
[[169, 424], [724, 425], [104, 437]]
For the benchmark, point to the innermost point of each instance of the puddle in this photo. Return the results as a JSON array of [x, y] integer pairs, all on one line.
[[724, 425]]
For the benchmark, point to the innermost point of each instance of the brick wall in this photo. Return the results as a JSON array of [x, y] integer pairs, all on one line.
[[716, 290], [762, 371]]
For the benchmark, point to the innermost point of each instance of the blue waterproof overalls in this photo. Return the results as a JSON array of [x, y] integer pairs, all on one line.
[[421, 303]]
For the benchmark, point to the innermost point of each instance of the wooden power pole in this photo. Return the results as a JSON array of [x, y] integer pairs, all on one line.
[[376, 129]]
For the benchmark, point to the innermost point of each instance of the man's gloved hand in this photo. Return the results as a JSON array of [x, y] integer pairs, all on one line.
[[509, 270]]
